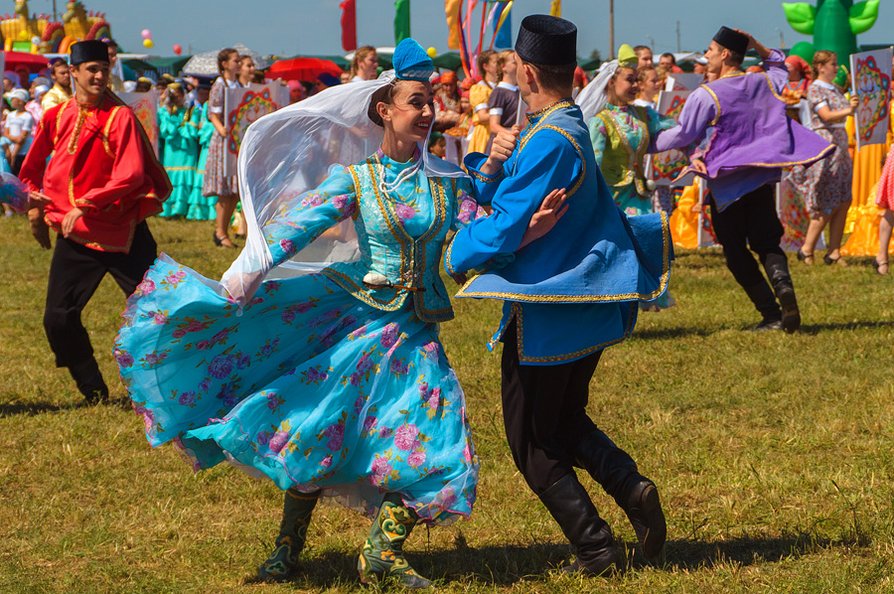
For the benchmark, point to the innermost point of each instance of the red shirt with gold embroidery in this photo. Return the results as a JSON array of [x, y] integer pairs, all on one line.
[[100, 161]]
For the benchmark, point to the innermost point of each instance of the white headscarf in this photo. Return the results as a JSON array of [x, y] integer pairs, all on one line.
[[289, 152], [593, 97]]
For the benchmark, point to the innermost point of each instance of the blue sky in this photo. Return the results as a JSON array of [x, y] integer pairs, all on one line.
[[291, 27]]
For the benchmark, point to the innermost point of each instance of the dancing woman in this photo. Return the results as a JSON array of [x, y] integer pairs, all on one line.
[[621, 132], [330, 379]]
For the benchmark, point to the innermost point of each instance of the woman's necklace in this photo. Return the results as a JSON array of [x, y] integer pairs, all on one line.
[[401, 177]]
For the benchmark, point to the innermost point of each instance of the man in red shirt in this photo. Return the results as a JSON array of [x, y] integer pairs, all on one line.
[[94, 179]]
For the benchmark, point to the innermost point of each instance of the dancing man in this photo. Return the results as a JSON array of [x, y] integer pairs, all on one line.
[[96, 191], [567, 296], [753, 141]]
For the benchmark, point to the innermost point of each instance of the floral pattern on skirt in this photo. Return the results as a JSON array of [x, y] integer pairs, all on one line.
[[827, 183], [307, 386]]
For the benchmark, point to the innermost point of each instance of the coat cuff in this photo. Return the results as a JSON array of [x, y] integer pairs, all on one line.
[[474, 162]]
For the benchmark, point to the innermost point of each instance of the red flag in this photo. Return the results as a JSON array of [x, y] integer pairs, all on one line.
[[349, 25]]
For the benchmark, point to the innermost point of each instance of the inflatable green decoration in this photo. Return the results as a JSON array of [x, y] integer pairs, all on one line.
[[834, 24]]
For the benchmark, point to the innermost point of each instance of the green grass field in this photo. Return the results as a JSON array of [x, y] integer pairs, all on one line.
[[773, 453]]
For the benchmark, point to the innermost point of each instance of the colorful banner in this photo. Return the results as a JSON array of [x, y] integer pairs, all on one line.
[[503, 27], [555, 8], [349, 25], [244, 106], [401, 20], [145, 107], [684, 82], [663, 168], [871, 82], [451, 9]]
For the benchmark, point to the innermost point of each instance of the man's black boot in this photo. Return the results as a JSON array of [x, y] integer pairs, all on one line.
[[597, 551], [764, 301], [89, 381], [776, 266], [617, 473]]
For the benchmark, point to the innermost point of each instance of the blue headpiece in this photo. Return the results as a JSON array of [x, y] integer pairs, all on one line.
[[411, 62]]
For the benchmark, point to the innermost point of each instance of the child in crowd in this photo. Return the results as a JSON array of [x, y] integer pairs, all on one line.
[[503, 105], [18, 128]]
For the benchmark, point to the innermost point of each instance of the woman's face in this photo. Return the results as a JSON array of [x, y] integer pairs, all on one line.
[[492, 65], [828, 70], [465, 105], [648, 87], [625, 86], [247, 69], [510, 66], [231, 66], [411, 112], [368, 66], [794, 74]]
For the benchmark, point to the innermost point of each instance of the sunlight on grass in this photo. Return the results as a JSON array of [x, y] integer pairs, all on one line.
[[772, 452]]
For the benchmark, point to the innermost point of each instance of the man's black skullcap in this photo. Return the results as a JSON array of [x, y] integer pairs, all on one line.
[[89, 51], [732, 40], [547, 41]]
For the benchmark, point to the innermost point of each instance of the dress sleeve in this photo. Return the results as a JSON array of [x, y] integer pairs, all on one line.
[[304, 219], [466, 206], [598, 135], [479, 96], [216, 99], [497, 102], [547, 163]]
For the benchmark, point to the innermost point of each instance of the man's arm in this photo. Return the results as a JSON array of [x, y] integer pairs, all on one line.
[[548, 163], [698, 113]]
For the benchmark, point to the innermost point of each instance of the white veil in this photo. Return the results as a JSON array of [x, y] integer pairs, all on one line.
[[289, 152], [593, 97]]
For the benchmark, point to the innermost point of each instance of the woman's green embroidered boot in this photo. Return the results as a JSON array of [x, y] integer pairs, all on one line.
[[382, 556], [297, 509]]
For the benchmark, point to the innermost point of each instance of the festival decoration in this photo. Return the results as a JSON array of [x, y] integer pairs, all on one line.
[[401, 20], [178, 49], [834, 24], [462, 22], [148, 43], [451, 9], [664, 168], [349, 25], [20, 30], [145, 107], [804, 50], [871, 82], [432, 52], [502, 26], [146, 34], [555, 8], [244, 106], [684, 81]]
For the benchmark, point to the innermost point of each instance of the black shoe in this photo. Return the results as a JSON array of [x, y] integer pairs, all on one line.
[[597, 551], [643, 509], [761, 295], [768, 324], [776, 266], [791, 315], [89, 381]]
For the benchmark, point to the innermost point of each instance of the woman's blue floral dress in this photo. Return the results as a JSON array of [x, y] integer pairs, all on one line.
[[318, 383]]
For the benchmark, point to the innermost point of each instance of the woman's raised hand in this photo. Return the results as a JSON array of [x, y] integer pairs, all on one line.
[[547, 216]]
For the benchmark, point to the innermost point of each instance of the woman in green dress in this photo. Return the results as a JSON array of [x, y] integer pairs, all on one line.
[[181, 150]]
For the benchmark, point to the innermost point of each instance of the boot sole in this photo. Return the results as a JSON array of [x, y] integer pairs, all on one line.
[[791, 315], [654, 536]]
